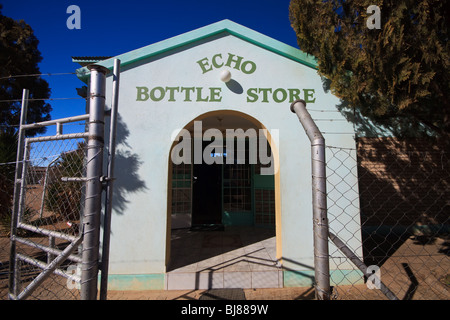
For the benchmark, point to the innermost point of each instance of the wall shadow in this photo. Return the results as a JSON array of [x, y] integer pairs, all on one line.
[[126, 169], [235, 86], [373, 125], [404, 189]]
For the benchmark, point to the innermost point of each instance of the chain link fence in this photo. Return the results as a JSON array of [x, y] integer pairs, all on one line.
[[49, 222], [391, 209], [401, 231]]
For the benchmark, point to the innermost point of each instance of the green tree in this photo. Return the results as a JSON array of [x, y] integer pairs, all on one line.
[[19, 55], [7, 169], [396, 76]]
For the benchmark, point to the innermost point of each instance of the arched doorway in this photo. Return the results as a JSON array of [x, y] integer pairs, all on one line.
[[224, 209]]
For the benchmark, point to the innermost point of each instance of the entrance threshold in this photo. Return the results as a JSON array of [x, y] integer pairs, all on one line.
[[238, 257]]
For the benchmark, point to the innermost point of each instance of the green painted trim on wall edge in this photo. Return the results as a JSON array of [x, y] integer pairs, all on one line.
[[305, 278], [224, 26], [291, 278], [136, 281]]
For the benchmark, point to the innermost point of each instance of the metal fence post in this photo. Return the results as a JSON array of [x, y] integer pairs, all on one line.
[[319, 193], [13, 275], [92, 209], [361, 266], [110, 185]]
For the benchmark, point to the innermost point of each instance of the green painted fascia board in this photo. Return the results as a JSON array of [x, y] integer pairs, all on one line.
[[224, 26], [273, 45]]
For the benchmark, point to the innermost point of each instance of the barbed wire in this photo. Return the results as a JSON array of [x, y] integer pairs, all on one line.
[[43, 99], [37, 75]]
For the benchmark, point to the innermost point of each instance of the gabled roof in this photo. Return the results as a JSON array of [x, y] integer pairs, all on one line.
[[224, 26], [84, 61]]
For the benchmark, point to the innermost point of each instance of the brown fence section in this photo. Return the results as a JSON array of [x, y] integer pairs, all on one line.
[[404, 205], [403, 182]]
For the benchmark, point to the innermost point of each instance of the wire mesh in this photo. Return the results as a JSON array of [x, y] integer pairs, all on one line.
[[389, 201], [52, 202], [49, 220]]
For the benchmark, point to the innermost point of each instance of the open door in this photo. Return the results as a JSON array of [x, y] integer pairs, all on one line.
[[207, 194]]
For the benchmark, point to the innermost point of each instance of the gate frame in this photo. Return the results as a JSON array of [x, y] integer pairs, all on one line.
[[18, 207], [89, 236]]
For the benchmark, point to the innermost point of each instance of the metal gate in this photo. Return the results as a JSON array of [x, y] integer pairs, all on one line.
[[59, 180]]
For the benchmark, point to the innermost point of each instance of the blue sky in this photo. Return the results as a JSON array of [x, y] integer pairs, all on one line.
[[109, 28]]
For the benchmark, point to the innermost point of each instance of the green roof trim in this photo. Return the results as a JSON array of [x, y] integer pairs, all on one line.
[[224, 26]]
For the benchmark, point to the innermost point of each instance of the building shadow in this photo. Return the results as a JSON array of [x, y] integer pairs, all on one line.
[[404, 192], [127, 164], [189, 247], [414, 282], [403, 183]]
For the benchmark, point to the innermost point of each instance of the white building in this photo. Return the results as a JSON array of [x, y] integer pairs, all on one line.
[[263, 233]]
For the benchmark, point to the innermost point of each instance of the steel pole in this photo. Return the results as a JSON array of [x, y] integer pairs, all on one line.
[[361, 266], [92, 208], [13, 267], [110, 185], [319, 193]]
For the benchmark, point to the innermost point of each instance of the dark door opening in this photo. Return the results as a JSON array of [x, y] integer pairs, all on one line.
[[212, 196], [207, 195]]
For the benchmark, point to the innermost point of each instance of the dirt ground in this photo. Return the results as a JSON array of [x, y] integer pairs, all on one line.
[[250, 294], [417, 270], [304, 293]]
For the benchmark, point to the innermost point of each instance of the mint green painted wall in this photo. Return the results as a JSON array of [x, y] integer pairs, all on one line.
[[139, 221], [305, 278], [136, 282]]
